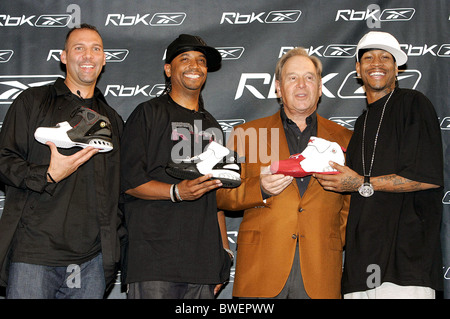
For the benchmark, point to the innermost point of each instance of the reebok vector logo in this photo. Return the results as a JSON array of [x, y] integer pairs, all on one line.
[[12, 85]]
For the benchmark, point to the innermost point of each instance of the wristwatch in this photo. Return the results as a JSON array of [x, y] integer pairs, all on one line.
[[366, 189]]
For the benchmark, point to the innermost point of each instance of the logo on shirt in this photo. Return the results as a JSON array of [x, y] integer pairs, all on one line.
[[190, 138]]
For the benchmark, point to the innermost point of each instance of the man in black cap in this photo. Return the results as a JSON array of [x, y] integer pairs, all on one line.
[[175, 248]]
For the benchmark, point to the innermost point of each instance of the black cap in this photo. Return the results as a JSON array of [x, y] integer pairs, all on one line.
[[187, 42]]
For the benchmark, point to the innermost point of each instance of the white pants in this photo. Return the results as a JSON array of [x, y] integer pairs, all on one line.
[[389, 290]]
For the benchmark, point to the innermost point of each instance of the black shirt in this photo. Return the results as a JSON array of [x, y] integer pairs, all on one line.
[[298, 140], [177, 242], [59, 224], [399, 232]]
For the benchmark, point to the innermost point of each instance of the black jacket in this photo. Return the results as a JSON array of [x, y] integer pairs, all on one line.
[[24, 163]]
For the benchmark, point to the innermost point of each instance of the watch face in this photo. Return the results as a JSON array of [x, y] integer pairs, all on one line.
[[366, 190]]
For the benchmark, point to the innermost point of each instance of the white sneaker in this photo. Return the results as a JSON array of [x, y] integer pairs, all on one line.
[[209, 162]]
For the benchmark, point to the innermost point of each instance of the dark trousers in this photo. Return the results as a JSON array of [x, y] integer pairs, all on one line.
[[169, 290]]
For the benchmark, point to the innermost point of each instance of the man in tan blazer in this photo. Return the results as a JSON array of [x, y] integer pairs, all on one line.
[[292, 234]]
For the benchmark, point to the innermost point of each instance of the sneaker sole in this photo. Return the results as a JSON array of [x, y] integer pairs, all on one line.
[[302, 174], [101, 145], [185, 174]]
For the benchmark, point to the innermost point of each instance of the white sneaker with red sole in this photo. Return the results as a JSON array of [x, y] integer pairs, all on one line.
[[314, 159]]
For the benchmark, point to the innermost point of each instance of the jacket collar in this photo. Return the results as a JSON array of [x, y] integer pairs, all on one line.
[[62, 89], [323, 128]]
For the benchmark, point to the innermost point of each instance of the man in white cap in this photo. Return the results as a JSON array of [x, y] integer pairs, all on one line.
[[395, 175]]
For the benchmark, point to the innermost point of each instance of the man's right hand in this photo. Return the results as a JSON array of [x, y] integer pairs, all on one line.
[[273, 184]]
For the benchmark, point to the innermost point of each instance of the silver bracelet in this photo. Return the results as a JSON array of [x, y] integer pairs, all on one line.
[[171, 193], [230, 253], [178, 194]]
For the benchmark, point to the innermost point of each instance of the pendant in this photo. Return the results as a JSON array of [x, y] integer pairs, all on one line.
[[366, 190]]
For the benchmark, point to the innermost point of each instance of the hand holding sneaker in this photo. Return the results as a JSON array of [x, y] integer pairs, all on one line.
[[62, 166], [273, 184], [347, 180], [216, 160], [192, 189]]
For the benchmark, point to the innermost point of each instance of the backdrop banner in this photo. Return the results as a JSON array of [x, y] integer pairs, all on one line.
[[251, 36]]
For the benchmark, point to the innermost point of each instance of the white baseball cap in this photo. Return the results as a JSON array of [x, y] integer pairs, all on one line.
[[384, 41]]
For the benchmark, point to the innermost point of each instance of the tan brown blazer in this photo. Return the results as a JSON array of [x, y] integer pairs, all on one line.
[[270, 229]]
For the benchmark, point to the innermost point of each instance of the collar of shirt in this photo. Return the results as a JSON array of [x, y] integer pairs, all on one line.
[[311, 122], [62, 89], [298, 140]]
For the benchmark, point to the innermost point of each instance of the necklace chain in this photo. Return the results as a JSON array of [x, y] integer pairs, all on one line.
[[376, 138]]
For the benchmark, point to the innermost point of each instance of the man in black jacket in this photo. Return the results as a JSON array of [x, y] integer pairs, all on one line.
[[58, 231]]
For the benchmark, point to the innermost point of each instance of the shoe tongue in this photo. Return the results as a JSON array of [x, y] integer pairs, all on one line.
[[82, 113], [75, 120]]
